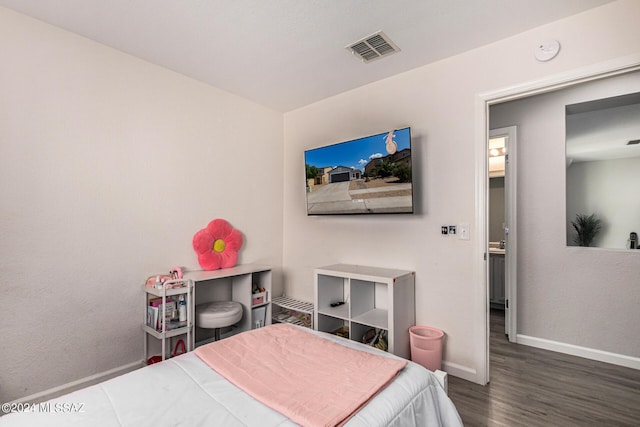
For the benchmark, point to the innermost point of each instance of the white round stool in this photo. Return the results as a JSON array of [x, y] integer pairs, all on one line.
[[218, 314]]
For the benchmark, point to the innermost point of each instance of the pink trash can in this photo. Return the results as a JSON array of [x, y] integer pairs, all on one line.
[[426, 346]]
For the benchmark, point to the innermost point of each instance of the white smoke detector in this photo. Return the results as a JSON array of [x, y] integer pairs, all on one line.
[[547, 51], [373, 47]]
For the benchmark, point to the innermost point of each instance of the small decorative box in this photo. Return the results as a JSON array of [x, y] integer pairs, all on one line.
[[259, 298]]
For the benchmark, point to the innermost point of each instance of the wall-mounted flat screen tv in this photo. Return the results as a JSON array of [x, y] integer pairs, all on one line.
[[370, 175]]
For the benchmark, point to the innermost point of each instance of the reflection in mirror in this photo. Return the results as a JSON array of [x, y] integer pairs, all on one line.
[[603, 169], [497, 152]]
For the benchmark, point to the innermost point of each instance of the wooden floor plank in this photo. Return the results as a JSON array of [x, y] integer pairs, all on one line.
[[535, 387]]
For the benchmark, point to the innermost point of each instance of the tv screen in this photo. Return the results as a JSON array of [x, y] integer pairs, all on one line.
[[370, 175]]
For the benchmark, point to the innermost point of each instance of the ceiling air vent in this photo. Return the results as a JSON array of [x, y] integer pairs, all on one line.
[[634, 142], [373, 47]]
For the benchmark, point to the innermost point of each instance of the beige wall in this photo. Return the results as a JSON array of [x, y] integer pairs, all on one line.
[[439, 103], [108, 167]]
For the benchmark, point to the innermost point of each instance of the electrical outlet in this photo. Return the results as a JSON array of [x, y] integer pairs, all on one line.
[[444, 230], [452, 230]]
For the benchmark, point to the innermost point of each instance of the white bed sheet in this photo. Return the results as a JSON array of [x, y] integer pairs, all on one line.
[[185, 391]]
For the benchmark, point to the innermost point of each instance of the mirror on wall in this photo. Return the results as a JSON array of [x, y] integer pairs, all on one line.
[[603, 172]]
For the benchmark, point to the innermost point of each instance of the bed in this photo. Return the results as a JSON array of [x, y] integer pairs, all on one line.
[[186, 390]]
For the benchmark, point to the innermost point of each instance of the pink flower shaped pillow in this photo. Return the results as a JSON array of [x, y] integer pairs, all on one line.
[[217, 245]]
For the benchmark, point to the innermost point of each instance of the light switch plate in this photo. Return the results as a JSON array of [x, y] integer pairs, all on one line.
[[464, 231]]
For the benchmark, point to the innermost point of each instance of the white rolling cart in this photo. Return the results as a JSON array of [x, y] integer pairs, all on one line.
[[165, 332]]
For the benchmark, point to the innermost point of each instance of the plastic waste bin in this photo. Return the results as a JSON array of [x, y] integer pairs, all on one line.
[[426, 346]]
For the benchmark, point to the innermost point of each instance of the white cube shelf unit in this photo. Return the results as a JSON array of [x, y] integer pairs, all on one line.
[[373, 297], [233, 284]]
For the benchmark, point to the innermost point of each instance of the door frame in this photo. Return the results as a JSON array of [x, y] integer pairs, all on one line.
[[483, 102]]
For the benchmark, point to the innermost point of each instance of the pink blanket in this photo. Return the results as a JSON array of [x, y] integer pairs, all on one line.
[[311, 380]]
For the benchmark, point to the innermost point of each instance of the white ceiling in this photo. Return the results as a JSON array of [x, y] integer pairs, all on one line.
[[602, 131], [285, 54]]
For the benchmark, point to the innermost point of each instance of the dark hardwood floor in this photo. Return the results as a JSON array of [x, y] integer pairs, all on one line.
[[534, 387]]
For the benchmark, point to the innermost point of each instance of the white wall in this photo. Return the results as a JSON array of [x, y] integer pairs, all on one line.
[[108, 167], [588, 297], [608, 189], [438, 102]]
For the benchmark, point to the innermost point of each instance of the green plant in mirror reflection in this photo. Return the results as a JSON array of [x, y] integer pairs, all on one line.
[[587, 227]]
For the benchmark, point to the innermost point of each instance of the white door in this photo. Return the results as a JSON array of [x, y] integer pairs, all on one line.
[[510, 235]]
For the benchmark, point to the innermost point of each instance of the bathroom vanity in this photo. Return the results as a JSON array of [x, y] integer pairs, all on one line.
[[496, 277]]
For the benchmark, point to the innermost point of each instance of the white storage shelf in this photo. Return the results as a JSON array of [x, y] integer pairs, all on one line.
[[233, 284], [373, 297], [378, 318], [289, 310]]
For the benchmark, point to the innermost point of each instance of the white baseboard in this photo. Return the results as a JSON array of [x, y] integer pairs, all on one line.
[[585, 352], [78, 384]]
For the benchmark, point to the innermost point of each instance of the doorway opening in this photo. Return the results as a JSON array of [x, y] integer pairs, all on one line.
[[502, 233], [502, 250], [485, 102]]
